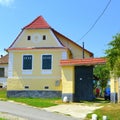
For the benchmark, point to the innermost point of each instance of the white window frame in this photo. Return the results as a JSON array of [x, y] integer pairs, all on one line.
[[47, 71], [28, 71]]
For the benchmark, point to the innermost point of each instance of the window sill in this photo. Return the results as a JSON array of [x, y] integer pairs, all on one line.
[[28, 72], [46, 71]]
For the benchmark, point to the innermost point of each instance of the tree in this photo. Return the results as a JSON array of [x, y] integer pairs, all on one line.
[[113, 55], [102, 73]]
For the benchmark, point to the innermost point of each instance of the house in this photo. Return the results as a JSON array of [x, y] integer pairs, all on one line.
[[45, 63], [3, 70], [115, 88]]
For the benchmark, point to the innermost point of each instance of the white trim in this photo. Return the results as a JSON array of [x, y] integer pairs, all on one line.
[[37, 77], [10, 65], [45, 71], [26, 72], [29, 71], [64, 55], [52, 34], [18, 39]]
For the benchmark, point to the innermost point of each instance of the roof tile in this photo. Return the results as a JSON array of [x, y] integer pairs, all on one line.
[[4, 59], [39, 22], [86, 61]]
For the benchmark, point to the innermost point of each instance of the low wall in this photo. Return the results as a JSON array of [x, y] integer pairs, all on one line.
[[34, 94]]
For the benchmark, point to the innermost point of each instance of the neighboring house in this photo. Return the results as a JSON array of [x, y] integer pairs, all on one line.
[[45, 63], [3, 71], [115, 88]]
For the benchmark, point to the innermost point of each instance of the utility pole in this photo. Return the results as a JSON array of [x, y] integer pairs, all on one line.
[[83, 50]]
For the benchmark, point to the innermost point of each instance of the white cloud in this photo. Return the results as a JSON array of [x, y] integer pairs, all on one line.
[[6, 2]]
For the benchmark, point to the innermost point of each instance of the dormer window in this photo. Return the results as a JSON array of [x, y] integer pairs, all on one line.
[[44, 37], [28, 37]]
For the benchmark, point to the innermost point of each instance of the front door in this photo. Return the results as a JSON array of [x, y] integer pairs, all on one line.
[[83, 83]]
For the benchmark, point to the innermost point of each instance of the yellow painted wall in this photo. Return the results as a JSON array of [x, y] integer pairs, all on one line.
[[50, 41], [34, 84], [114, 84], [75, 50], [36, 80], [67, 79]]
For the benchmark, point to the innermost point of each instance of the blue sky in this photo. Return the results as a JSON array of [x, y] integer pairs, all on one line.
[[71, 18]]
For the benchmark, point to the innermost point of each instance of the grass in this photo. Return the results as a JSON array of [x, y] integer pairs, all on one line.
[[3, 94], [36, 102], [3, 119], [111, 110]]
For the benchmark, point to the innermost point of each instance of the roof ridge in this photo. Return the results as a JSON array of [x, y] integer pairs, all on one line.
[[39, 22]]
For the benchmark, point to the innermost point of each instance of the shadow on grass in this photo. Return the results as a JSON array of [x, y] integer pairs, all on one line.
[[96, 100]]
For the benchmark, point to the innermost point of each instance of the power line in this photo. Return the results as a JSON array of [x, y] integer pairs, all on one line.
[[96, 20]]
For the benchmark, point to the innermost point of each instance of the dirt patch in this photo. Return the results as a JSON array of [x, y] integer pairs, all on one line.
[[76, 110]]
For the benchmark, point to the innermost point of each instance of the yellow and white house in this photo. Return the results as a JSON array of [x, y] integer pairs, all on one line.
[[3, 71], [36, 65]]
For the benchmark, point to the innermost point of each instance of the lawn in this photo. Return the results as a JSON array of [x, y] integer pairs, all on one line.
[[3, 119], [37, 102], [2, 94], [112, 111]]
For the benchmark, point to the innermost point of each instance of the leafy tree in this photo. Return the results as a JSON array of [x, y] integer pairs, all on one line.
[[113, 55], [102, 73]]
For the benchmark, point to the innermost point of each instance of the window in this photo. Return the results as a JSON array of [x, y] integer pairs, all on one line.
[[27, 62], [2, 72], [46, 87], [26, 87], [44, 37], [28, 37], [46, 62]]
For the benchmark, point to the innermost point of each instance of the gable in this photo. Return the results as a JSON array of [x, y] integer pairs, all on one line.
[[39, 34], [32, 38]]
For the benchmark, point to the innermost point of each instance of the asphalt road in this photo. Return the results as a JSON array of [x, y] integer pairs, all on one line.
[[31, 113]]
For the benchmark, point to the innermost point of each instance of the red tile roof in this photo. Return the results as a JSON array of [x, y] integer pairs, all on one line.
[[4, 59], [39, 22], [86, 61]]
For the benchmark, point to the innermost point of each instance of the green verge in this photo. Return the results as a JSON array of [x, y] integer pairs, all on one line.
[[36, 102], [3, 119], [112, 111], [3, 94]]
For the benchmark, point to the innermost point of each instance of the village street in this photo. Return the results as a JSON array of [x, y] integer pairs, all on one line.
[[24, 112], [72, 111]]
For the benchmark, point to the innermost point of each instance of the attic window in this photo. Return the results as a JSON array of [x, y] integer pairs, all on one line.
[[28, 37], [44, 37]]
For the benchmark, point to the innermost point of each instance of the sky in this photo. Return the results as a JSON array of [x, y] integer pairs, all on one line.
[[72, 18]]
